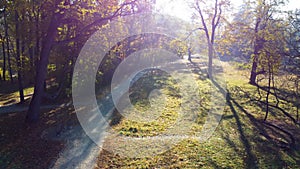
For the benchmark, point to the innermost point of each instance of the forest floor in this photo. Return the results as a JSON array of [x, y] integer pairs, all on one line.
[[58, 137], [241, 140]]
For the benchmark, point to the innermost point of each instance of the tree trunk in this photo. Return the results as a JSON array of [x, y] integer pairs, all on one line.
[[18, 57], [37, 44], [297, 99], [253, 71], [31, 58], [30, 45], [253, 74], [34, 107], [9, 63], [297, 116], [7, 48], [4, 60], [210, 59], [257, 47], [269, 90], [190, 54]]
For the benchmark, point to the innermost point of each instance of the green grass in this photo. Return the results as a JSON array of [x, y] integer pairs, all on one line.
[[161, 123], [242, 139], [159, 115]]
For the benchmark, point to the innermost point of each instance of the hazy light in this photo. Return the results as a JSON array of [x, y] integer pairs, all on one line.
[[181, 9], [177, 8]]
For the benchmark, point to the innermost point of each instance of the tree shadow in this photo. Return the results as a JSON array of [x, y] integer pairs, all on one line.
[[271, 124], [251, 158], [272, 137], [276, 138], [283, 94], [267, 139], [195, 68]]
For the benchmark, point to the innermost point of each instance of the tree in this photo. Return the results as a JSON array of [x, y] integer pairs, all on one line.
[[271, 57], [247, 35], [292, 61], [58, 12], [4, 58], [98, 15], [235, 42], [263, 16], [7, 44], [18, 57], [210, 15]]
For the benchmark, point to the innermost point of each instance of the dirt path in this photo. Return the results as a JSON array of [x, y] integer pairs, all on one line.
[[81, 152]]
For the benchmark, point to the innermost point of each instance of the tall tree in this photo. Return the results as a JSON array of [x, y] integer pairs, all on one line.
[[7, 44], [210, 17], [292, 61], [264, 12], [249, 34], [61, 14], [18, 57], [34, 107], [4, 58]]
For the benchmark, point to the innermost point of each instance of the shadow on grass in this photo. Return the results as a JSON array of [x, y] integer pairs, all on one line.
[[251, 158], [265, 144], [283, 94], [196, 68], [270, 140], [279, 137]]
